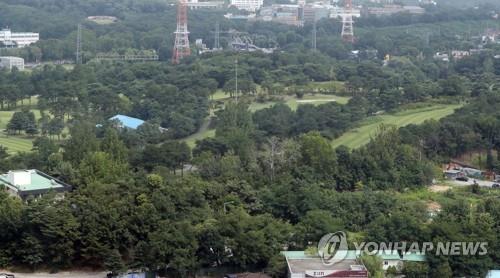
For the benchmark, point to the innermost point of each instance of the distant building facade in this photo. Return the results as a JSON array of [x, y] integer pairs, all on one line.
[[8, 62], [393, 9], [195, 4], [289, 14], [11, 39], [341, 12], [249, 5]]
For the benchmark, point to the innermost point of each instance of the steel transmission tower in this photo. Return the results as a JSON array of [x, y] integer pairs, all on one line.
[[181, 46], [79, 45], [347, 23]]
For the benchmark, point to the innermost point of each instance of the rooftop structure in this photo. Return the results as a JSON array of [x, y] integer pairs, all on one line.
[[249, 5], [24, 183], [11, 39], [127, 122], [8, 62], [301, 265]]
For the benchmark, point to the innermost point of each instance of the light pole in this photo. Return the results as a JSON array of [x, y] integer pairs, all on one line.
[[236, 78]]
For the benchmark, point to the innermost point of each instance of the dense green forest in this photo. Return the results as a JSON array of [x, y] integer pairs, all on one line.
[[268, 178]]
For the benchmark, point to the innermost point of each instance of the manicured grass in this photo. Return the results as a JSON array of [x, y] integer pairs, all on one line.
[[219, 95], [200, 135], [337, 86], [361, 135], [294, 102], [16, 144], [204, 132]]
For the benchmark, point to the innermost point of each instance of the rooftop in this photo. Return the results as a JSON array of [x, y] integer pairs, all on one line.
[[354, 254], [304, 265], [493, 274], [30, 180], [128, 122]]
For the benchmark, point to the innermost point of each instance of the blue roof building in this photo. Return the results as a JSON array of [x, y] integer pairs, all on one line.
[[493, 274], [127, 122]]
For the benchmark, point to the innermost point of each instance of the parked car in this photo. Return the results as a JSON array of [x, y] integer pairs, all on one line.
[[462, 179], [5, 275], [496, 185]]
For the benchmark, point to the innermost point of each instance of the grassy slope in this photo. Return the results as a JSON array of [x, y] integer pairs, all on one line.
[[15, 143], [293, 103], [360, 136], [206, 132]]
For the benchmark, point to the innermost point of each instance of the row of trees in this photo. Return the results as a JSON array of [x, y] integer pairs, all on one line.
[[248, 199]]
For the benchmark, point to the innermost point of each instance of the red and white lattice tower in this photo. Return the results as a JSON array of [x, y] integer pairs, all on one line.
[[347, 23], [181, 46]]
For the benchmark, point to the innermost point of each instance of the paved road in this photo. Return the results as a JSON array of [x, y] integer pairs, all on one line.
[[62, 274]]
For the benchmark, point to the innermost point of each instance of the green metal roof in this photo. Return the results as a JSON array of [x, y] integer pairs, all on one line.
[[353, 254], [39, 181], [414, 257]]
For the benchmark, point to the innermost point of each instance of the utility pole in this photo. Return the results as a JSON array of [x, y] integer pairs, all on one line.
[[79, 45], [236, 79], [314, 33]]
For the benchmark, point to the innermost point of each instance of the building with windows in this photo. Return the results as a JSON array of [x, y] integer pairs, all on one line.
[[11, 39], [387, 10], [249, 5], [8, 62], [196, 4], [289, 14], [31, 183]]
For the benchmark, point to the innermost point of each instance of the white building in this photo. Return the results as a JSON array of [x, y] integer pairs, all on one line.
[[249, 5], [13, 39], [11, 62], [196, 4], [341, 12]]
